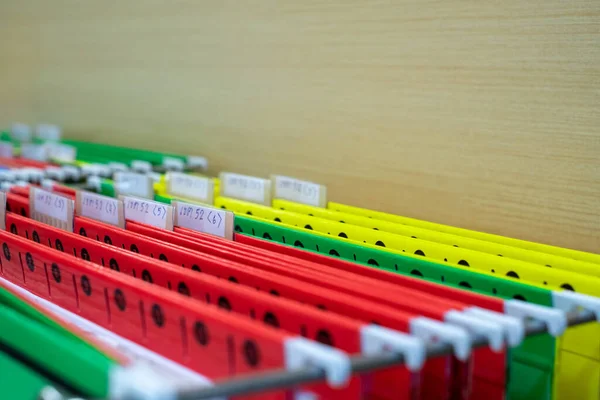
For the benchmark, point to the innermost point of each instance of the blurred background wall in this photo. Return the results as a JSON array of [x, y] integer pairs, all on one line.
[[481, 114]]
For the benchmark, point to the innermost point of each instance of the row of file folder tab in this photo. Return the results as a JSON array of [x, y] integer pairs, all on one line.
[[131, 274]]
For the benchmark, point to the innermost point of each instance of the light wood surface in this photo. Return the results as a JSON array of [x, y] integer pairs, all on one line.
[[481, 114]]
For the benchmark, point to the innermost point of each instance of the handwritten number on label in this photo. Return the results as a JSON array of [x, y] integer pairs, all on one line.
[[52, 201]]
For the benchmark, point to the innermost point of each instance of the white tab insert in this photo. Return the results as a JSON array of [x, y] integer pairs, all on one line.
[[141, 166], [197, 162], [302, 353], [197, 188], [6, 150], [377, 340], [299, 191], [130, 183], [555, 319], [101, 208], [435, 331], [148, 212], [213, 221], [173, 164], [247, 188], [21, 132], [117, 166], [51, 208], [48, 132], [61, 152], [37, 152]]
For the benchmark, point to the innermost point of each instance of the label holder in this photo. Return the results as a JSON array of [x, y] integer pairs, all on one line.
[[149, 212], [246, 188], [190, 187], [198, 218], [133, 184], [299, 191], [51, 208], [100, 208]]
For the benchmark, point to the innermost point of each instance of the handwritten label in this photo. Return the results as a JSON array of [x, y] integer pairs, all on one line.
[[244, 187], [3, 210], [304, 192], [133, 184], [6, 150], [101, 208], [148, 212], [213, 221], [192, 187], [37, 152], [61, 152], [51, 208]]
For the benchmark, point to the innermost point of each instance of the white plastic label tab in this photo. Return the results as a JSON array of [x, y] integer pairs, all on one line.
[[148, 212], [37, 152], [173, 164], [101, 208], [247, 188], [197, 162], [133, 184], [2, 210], [21, 132], [6, 150], [191, 187], [141, 166], [61, 152], [304, 192], [51, 208], [213, 221], [48, 132]]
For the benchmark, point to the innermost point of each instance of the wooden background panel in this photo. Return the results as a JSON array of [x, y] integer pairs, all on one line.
[[481, 114]]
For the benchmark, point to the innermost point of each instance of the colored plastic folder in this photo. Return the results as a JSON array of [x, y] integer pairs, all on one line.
[[68, 361], [579, 350]]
